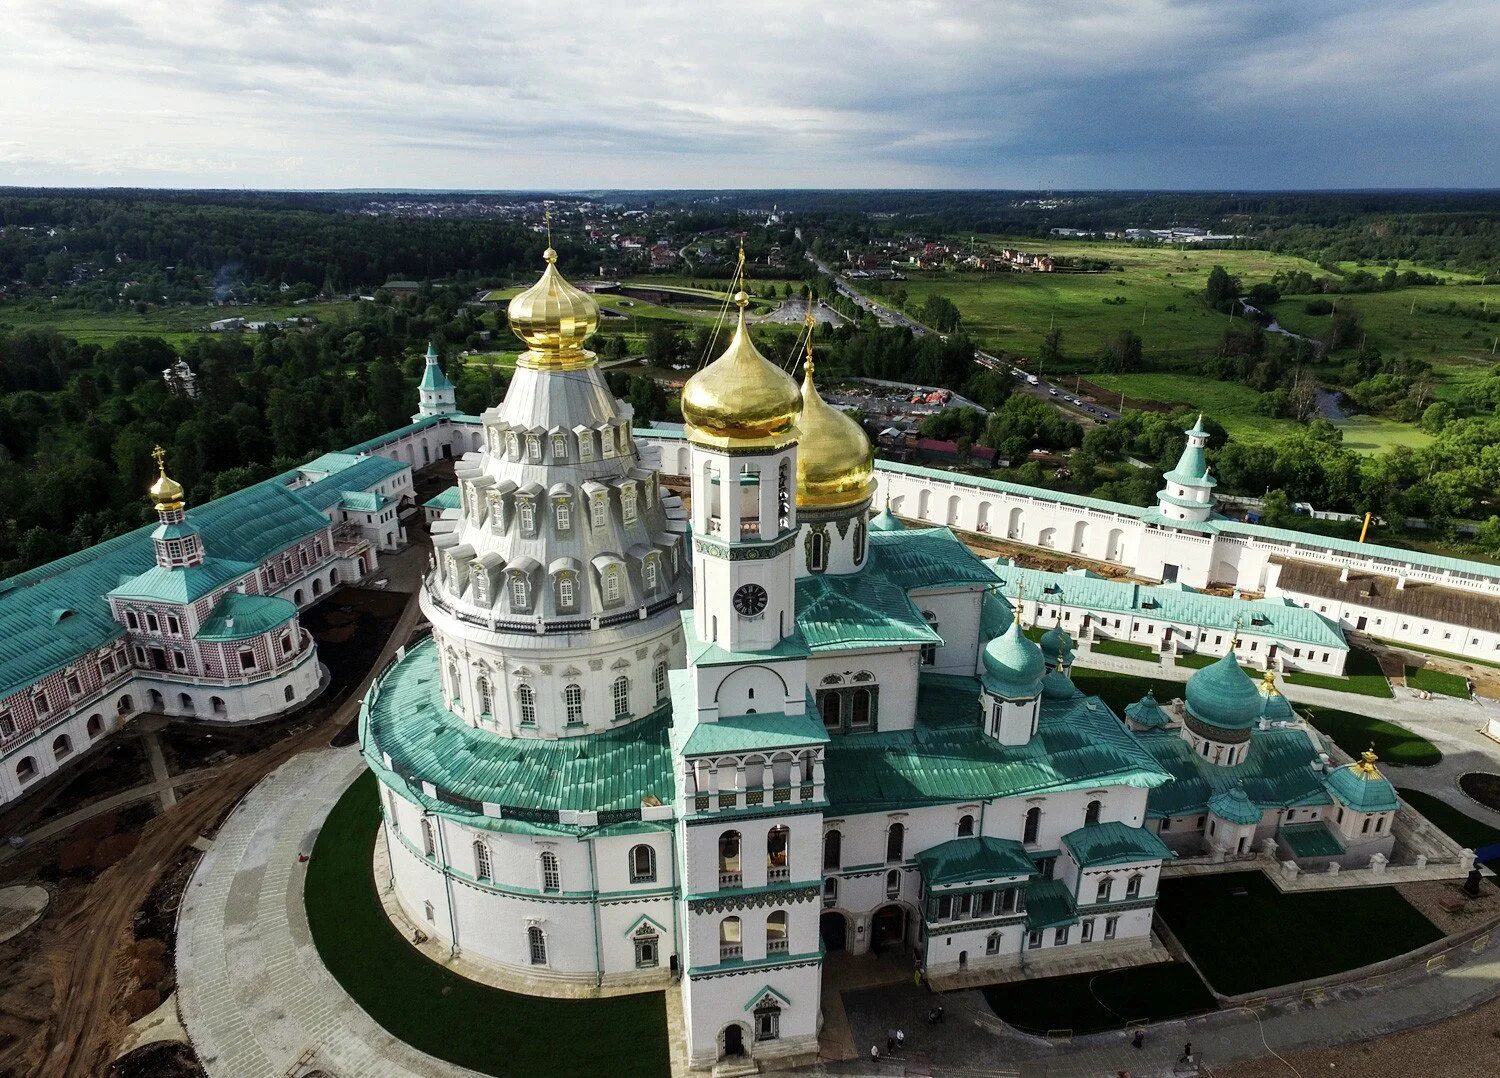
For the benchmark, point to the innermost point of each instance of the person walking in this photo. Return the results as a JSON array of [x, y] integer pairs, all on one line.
[[1138, 1040], [874, 1053], [900, 1038]]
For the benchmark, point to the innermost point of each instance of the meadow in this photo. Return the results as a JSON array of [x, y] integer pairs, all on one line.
[[176, 325]]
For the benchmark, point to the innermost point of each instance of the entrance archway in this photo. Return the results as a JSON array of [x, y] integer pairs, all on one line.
[[834, 929], [734, 1042], [888, 928]]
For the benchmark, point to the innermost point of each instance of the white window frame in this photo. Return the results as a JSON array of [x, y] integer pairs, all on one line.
[[526, 697], [573, 703], [619, 692]]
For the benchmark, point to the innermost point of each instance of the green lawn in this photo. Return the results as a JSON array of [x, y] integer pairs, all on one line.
[[440, 1013], [1437, 681], [1459, 826], [1121, 690], [177, 325], [1124, 649], [1362, 677], [1356, 733], [1246, 936], [1195, 661], [1089, 1002]]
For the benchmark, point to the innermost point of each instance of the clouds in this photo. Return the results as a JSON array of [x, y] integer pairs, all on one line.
[[993, 93]]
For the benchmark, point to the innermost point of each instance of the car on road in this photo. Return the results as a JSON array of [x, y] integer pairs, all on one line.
[[1053, 392]]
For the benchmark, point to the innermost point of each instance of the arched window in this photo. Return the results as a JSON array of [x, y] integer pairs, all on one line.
[[518, 591], [966, 826], [1133, 886], [567, 596], [481, 861], [660, 677], [992, 943], [486, 701], [620, 693], [564, 513], [832, 705], [730, 868], [642, 864], [573, 704], [528, 516], [893, 883], [290, 692], [833, 849], [26, 769], [831, 891], [455, 687], [536, 943], [649, 575], [862, 709], [778, 868], [612, 584], [390, 800], [526, 696], [731, 943], [1033, 825], [895, 842], [817, 551], [96, 725], [776, 937], [859, 543], [1091, 814], [62, 746], [429, 843], [551, 877]]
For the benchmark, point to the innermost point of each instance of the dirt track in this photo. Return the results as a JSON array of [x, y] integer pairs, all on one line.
[[90, 972]]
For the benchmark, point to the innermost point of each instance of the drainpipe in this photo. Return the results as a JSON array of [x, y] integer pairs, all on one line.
[[594, 912], [447, 885], [677, 941]]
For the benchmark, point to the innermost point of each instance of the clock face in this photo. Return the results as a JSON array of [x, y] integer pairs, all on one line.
[[750, 599]]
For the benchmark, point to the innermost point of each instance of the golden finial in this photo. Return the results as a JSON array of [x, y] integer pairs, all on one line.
[[810, 322], [1366, 765], [551, 253], [1268, 683], [166, 492], [1061, 666]]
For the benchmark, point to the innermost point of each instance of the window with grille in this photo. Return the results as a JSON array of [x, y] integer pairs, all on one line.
[[661, 681], [627, 504], [620, 692], [573, 704], [527, 697], [649, 575], [486, 702], [566, 597], [600, 508], [536, 943], [518, 591], [481, 861], [528, 517], [551, 877], [612, 585], [642, 864], [564, 515]]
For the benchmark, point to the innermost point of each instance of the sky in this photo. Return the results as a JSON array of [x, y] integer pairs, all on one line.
[[1206, 94]]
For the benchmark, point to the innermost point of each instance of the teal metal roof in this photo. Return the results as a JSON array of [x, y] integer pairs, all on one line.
[[1222, 695], [926, 558], [364, 501], [329, 463], [447, 499], [1271, 618], [1147, 712], [1016, 489], [1394, 556], [433, 377], [966, 860], [1013, 665], [239, 617], [1056, 644], [1234, 806], [946, 758], [763, 730], [182, 585], [711, 654], [886, 521], [1192, 466], [369, 472], [1311, 840], [1114, 843], [248, 525], [411, 428], [1360, 791], [1057, 685], [1276, 772], [864, 609], [611, 771], [1049, 904], [995, 614]]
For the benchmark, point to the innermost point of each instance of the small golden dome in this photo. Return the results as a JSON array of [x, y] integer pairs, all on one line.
[[166, 492], [554, 319], [835, 462], [741, 398]]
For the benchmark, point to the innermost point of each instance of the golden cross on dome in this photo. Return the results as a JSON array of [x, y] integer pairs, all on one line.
[[810, 322], [547, 220], [160, 456]]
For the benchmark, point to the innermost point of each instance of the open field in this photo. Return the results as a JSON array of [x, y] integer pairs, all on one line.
[[1401, 265], [1356, 733], [174, 324], [1011, 312]]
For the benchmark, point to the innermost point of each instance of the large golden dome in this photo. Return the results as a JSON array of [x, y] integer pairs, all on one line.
[[554, 319], [166, 492], [835, 462], [741, 398]]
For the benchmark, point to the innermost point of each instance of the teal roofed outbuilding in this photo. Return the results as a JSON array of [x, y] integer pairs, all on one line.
[[239, 617], [1360, 786], [367, 473], [1114, 843], [969, 860], [444, 499], [1223, 696], [1234, 806]]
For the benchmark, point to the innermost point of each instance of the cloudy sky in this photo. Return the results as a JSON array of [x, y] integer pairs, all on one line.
[[656, 93]]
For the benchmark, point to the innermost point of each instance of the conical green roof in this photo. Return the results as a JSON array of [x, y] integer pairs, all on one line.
[[433, 377], [1222, 695], [1234, 806], [1013, 664], [886, 521], [1057, 644], [1059, 686]]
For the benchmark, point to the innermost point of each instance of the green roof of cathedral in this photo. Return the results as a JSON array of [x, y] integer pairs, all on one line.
[[927, 558], [762, 730], [1276, 772], [1114, 843], [185, 584], [1222, 695], [947, 758], [966, 860], [1192, 466], [446, 499], [1013, 664], [886, 521], [1311, 840], [1049, 904], [433, 377], [1147, 712], [1234, 806], [238, 616], [865, 609], [1362, 792], [356, 478]]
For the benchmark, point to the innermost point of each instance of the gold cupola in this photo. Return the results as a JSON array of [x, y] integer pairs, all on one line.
[[835, 461], [554, 319], [166, 492], [741, 399]]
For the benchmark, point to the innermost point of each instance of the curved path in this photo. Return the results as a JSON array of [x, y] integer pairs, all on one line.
[[254, 995]]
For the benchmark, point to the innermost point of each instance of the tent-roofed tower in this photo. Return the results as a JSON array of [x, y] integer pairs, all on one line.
[[435, 393], [1188, 493]]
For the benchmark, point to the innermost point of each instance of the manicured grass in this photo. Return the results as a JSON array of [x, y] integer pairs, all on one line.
[[1459, 826], [1124, 649], [1375, 434], [1196, 661], [1356, 733], [1362, 676], [1089, 1002], [1437, 681], [1121, 690], [1246, 936], [432, 1009]]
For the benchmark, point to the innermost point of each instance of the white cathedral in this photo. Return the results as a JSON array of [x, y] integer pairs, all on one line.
[[701, 748]]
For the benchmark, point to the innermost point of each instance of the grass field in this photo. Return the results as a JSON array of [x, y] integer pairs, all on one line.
[[1437, 681], [1012, 311], [1356, 733], [1362, 676], [1401, 265], [1459, 826], [1090, 1002], [1124, 649], [1198, 662], [1246, 936], [174, 324], [1121, 690], [438, 1012]]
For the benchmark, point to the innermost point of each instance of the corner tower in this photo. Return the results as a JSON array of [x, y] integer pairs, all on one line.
[[435, 393], [1189, 491]]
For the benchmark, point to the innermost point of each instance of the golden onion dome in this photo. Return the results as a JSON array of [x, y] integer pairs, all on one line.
[[741, 398], [554, 319], [835, 461], [166, 492]]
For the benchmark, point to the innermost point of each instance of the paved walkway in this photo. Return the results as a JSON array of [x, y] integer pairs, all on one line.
[[254, 995]]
